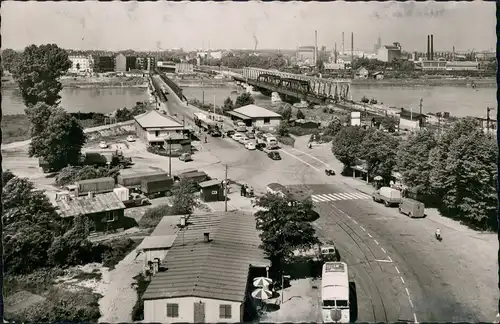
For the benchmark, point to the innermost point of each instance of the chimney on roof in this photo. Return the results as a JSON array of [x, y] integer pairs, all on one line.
[[206, 237]]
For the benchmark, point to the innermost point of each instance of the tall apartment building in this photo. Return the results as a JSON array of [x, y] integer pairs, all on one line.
[[104, 64], [145, 63], [80, 63]]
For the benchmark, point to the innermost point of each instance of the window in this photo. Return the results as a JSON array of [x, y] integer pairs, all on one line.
[[110, 216], [157, 133], [267, 120], [172, 310], [225, 311], [342, 303]]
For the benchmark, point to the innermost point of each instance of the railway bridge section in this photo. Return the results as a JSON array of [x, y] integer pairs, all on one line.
[[296, 86]]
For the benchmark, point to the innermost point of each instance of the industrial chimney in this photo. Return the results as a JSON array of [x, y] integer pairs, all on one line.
[[453, 54], [432, 47], [428, 47], [343, 52], [315, 47], [335, 54], [352, 47]]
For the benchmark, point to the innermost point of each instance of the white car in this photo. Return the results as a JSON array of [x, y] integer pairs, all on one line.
[[103, 145], [244, 140], [250, 146], [131, 138], [237, 136]]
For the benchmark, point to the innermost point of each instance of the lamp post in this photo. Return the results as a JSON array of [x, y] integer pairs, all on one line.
[[283, 277]]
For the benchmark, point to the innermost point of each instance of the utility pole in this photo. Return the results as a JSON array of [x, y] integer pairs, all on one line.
[[170, 157], [225, 191]]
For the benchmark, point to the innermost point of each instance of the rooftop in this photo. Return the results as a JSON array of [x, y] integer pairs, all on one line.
[[254, 111], [209, 183], [89, 205], [194, 267], [154, 119]]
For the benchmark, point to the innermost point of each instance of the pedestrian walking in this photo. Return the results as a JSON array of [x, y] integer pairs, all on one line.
[[244, 190]]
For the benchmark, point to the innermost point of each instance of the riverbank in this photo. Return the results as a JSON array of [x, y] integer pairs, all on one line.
[[480, 83], [90, 82]]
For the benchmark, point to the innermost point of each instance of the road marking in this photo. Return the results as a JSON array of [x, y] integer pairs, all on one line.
[[369, 235], [385, 261], [383, 250], [376, 242], [397, 270], [355, 221], [415, 318], [407, 291], [363, 228], [349, 217], [389, 258], [411, 303], [402, 280], [310, 156], [295, 157]]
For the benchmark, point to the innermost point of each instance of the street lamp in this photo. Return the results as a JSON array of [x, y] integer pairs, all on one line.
[[283, 277]]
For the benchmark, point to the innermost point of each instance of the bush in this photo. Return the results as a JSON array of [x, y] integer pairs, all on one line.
[[114, 251], [141, 285], [365, 100], [287, 140], [70, 174], [63, 305], [36, 282], [153, 215], [299, 131]]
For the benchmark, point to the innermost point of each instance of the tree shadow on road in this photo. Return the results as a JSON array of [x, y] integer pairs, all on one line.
[[303, 267]]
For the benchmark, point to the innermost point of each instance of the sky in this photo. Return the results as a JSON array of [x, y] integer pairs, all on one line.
[[150, 26]]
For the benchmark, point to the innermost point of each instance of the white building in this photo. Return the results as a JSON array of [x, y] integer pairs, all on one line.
[[256, 116], [388, 53], [154, 128], [80, 64], [207, 273]]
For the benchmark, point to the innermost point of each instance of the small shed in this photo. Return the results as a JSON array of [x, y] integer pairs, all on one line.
[[211, 190]]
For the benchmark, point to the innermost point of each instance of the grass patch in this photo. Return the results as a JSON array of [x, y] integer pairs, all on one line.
[[36, 282], [287, 140], [299, 131], [15, 128], [95, 274], [153, 216], [141, 283]]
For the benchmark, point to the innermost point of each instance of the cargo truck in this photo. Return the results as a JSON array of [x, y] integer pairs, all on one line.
[[96, 186], [133, 181], [387, 195], [130, 199], [157, 186]]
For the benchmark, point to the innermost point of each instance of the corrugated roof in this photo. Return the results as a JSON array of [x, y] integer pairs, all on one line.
[[154, 119], [156, 242], [238, 115], [89, 205], [209, 183], [216, 270], [254, 111]]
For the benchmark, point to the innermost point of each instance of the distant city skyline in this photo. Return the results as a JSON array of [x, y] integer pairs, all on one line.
[[160, 26]]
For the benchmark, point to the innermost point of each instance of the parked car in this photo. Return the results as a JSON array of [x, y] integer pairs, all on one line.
[[273, 155], [131, 138], [103, 145], [412, 208], [186, 157], [250, 146], [251, 135], [230, 133], [215, 133], [237, 136], [244, 140], [260, 146]]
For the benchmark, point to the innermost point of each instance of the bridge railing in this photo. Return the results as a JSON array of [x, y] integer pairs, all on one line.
[[172, 85]]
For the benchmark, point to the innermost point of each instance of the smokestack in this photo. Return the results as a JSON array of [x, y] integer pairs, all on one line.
[[343, 43], [315, 47], [352, 47], [432, 47], [335, 54], [206, 237], [453, 55], [428, 48]]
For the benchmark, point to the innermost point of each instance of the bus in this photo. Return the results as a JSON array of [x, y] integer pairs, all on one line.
[[335, 293]]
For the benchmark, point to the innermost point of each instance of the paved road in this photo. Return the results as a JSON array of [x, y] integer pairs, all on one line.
[[400, 271]]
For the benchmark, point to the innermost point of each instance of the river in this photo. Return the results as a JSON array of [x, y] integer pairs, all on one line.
[[459, 101], [81, 99]]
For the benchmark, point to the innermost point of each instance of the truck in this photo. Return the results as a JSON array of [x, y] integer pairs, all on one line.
[[133, 181], [130, 199], [158, 186], [387, 195], [269, 140], [205, 122], [105, 158], [96, 186]]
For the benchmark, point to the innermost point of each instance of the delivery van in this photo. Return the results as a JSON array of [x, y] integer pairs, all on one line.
[[412, 208], [387, 195], [241, 127]]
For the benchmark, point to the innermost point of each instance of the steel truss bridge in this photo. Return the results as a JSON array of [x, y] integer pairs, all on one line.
[[316, 90]]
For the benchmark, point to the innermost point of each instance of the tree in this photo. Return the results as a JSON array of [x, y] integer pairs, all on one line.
[[243, 100], [284, 227], [285, 110], [390, 123], [379, 151], [184, 201], [10, 59], [469, 184], [333, 127], [300, 114], [413, 160], [228, 104], [38, 71], [347, 144], [61, 139], [283, 129]]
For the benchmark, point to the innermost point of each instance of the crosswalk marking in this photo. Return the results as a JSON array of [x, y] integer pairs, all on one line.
[[339, 196]]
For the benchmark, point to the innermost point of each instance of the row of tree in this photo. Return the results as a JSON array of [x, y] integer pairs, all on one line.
[[454, 171]]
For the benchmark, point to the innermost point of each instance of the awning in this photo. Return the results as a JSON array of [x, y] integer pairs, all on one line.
[[238, 115]]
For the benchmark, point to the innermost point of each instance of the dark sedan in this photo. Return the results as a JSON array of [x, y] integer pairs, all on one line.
[[274, 155]]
